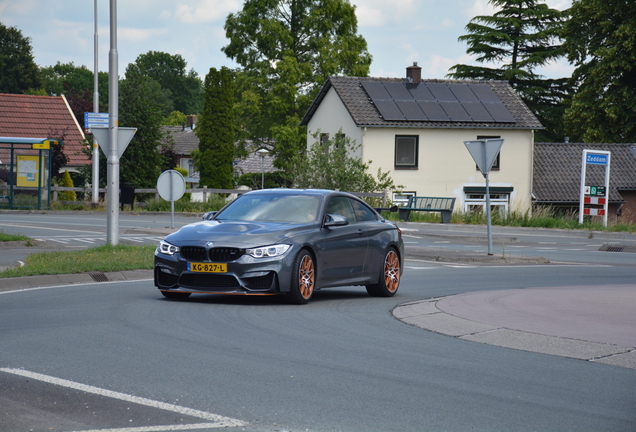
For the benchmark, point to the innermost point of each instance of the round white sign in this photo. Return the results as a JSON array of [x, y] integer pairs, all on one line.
[[171, 185]]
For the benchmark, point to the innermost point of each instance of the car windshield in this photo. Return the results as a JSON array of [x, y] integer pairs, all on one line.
[[272, 208]]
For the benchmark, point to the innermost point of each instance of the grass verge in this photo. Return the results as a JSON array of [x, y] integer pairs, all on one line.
[[106, 258], [10, 237]]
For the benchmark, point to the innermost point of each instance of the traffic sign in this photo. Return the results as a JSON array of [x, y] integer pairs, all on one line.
[[124, 135], [484, 152], [95, 120], [596, 159], [171, 185]]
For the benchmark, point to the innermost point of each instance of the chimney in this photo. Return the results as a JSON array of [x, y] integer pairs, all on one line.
[[414, 73], [191, 121]]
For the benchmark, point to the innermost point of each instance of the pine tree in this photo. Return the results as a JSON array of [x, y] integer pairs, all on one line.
[[216, 132], [521, 36]]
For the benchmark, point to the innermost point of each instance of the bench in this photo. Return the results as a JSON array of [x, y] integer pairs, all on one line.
[[428, 204]]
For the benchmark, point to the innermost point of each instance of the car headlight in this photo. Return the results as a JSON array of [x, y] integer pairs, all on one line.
[[268, 251], [167, 248]]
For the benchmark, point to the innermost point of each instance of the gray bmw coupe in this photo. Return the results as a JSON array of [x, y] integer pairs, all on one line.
[[283, 241]]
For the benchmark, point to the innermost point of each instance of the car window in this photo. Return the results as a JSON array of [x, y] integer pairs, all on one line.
[[363, 213], [341, 206], [272, 208]]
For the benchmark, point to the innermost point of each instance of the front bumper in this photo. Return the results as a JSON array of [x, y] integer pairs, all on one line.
[[246, 275]]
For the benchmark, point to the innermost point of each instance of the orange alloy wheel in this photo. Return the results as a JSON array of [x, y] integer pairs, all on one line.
[[306, 277], [392, 271]]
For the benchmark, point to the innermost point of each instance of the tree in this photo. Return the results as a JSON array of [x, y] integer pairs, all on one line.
[[600, 39], [186, 89], [215, 131], [140, 106], [67, 79], [19, 71], [521, 36], [287, 49], [330, 165]]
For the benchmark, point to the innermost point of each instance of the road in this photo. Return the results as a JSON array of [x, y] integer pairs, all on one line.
[[340, 363]]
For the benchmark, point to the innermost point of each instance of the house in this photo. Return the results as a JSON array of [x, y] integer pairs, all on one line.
[[183, 140], [25, 116], [557, 177], [415, 129]]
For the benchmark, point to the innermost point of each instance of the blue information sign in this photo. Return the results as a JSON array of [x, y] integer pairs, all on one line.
[[596, 159]]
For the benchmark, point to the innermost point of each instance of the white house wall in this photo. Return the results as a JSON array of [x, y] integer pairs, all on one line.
[[330, 117], [445, 166]]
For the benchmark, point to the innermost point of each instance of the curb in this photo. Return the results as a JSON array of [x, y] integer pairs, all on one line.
[[425, 314], [26, 282]]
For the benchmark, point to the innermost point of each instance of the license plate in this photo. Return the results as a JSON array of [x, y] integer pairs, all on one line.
[[207, 267]]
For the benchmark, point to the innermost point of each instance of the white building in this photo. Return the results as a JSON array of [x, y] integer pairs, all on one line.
[[415, 129]]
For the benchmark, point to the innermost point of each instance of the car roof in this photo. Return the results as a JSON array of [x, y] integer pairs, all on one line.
[[289, 191]]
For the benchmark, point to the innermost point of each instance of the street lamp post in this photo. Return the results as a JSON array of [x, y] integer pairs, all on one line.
[[262, 153]]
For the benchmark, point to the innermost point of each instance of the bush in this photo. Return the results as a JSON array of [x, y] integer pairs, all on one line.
[[67, 181]]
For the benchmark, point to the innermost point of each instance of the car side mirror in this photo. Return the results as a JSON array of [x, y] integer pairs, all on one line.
[[335, 220], [209, 215]]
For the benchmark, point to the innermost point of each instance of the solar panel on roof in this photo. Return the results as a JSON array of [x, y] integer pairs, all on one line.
[[375, 90], [484, 92], [411, 110], [499, 112], [477, 112], [420, 92], [397, 90], [388, 109], [463, 93], [433, 110], [455, 111], [441, 92]]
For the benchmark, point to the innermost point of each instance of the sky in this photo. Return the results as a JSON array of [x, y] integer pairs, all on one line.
[[398, 32]]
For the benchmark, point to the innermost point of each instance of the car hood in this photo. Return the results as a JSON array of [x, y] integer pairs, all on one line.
[[236, 234]]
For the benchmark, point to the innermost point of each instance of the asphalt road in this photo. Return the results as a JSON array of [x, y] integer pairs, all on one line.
[[119, 355]]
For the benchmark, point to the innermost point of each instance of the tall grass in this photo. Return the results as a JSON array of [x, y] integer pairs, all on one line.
[[540, 217]]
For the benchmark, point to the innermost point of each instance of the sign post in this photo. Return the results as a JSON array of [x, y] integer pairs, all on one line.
[[485, 152], [598, 194], [171, 187]]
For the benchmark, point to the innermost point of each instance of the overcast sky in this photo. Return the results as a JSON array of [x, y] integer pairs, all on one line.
[[398, 32]]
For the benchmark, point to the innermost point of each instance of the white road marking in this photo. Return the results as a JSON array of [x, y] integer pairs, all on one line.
[[52, 229], [185, 427], [219, 421]]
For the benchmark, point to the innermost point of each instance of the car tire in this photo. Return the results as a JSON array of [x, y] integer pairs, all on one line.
[[175, 295], [389, 280], [303, 279]]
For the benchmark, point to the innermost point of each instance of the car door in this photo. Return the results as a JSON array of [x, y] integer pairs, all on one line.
[[343, 249]]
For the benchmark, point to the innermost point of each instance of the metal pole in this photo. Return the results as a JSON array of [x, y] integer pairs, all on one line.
[[112, 218], [489, 229], [262, 172], [95, 109]]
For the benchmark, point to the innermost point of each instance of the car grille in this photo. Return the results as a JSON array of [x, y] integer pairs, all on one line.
[[225, 254], [197, 253], [193, 253], [204, 280]]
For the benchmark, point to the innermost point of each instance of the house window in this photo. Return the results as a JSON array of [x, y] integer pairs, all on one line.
[[496, 164], [475, 199], [406, 151]]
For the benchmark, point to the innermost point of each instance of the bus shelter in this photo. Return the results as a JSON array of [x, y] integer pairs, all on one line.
[[26, 172]]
